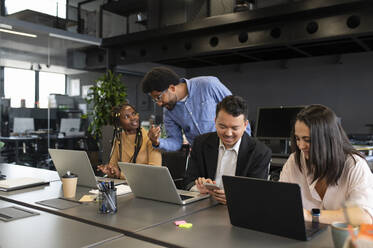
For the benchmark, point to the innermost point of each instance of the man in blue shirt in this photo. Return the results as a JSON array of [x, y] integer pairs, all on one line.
[[189, 104]]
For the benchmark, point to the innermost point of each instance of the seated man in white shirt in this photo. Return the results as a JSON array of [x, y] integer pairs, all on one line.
[[228, 151], [330, 172]]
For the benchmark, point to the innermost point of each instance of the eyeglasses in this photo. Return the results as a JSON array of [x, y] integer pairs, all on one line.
[[129, 116], [158, 98]]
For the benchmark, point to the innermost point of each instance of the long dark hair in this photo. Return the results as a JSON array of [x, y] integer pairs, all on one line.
[[117, 135], [329, 147]]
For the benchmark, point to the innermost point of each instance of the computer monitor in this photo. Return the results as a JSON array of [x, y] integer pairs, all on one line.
[[71, 125], [23, 125], [276, 122]]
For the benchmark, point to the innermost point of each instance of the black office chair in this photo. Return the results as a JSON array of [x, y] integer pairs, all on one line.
[[176, 164]]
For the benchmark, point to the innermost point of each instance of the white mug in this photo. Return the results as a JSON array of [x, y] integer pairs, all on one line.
[[340, 233]]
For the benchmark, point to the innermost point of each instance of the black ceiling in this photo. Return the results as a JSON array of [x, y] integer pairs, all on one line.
[[125, 7], [297, 30], [332, 47]]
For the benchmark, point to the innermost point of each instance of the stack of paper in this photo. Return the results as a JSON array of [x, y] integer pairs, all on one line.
[[121, 190]]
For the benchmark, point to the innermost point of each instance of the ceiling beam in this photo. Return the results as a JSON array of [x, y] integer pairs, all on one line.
[[297, 30]]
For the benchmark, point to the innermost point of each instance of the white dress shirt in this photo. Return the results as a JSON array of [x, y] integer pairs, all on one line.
[[355, 186], [227, 162]]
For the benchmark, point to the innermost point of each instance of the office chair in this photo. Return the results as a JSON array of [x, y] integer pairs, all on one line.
[[176, 163]]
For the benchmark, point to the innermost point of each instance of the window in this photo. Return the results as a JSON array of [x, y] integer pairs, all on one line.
[[54, 8], [50, 83], [19, 84], [73, 87]]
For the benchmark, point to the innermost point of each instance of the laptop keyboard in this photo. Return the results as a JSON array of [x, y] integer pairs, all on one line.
[[311, 228], [185, 197]]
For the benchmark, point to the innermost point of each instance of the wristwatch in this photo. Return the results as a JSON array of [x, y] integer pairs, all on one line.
[[315, 212]]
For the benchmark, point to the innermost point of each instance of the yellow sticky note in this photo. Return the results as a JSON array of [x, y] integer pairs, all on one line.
[[88, 198], [186, 225]]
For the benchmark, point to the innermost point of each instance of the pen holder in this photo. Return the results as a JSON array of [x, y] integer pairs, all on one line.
[[107, 201]]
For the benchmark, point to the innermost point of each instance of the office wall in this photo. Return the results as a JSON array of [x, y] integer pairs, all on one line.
[[134, 92], [343, 83], [86, 78]]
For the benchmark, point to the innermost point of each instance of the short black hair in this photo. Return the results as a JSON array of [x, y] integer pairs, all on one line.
[[159, 79], [233, 105]]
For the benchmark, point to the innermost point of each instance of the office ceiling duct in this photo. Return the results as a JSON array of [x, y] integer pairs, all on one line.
[[296, 30]]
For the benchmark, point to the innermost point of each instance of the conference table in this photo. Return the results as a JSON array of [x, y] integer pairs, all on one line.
[[153, 221], [48, 230], [212, 228]]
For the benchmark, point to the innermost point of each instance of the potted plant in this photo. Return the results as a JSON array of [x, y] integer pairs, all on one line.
[[108, 92]]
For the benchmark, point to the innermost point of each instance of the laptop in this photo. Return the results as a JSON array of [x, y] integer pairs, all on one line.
[[154, 182], [21, 183], [77, 162], [268, 206]]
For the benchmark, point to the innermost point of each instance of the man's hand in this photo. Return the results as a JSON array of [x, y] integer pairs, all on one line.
[[153, 134], [219, 195], [199, 183]]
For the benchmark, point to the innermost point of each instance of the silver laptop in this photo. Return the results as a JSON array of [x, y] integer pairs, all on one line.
[[153, 182], [78, 163]]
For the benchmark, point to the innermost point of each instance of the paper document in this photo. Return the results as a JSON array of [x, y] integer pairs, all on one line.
[[121, 190]]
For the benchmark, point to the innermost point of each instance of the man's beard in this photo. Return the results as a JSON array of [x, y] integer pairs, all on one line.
[[171, 104]]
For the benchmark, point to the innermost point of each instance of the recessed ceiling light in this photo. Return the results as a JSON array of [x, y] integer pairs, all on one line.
[[61, 36], [18, 33], [2, 25]]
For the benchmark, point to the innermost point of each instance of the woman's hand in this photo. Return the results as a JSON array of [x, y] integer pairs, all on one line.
[[307, 215], [110, 170]]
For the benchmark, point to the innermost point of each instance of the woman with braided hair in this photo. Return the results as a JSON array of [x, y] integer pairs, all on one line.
[[130, 142]]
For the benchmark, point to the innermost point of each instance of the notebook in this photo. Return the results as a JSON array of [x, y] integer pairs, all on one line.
[[268, 206], [154, 182], [77, 162], [21, 183]]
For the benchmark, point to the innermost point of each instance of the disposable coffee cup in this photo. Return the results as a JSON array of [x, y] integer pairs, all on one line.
[[340, 233], [69, 182]]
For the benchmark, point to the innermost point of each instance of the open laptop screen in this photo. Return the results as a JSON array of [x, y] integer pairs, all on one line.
[[266, 206]]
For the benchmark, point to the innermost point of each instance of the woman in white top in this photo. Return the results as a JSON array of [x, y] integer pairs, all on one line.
[[330, 172]]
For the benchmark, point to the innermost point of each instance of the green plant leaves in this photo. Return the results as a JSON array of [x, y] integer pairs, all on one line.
[[108, 92]]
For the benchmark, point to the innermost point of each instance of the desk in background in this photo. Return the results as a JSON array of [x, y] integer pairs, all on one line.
[[276, 167], [15, 143], [32, 150], [368, 152]]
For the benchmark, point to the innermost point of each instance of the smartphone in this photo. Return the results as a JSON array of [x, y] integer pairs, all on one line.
[[211, 186]]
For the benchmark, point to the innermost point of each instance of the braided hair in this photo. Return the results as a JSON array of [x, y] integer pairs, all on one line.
[[117, 135]]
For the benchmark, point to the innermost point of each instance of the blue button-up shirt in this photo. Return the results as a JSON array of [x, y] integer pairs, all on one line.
[[195, 115]]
